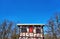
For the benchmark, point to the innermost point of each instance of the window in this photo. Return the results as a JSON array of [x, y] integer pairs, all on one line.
[[31, 29], [23, 29], [38, 30]]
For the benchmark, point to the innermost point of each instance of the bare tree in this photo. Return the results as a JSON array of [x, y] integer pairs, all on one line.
[[8, 30], [14, 34], [53, 27]]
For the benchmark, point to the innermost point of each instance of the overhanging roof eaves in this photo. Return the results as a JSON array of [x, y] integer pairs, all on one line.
[[30, 24]]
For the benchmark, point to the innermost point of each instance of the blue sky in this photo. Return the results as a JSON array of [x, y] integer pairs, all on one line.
[[28, 11]]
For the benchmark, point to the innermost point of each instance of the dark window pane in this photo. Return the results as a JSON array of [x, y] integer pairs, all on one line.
[[38, 30], [23, 29]]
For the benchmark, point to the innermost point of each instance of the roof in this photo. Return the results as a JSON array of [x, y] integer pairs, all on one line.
[[30, 24]]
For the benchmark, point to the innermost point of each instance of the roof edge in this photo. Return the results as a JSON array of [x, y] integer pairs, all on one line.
[[30, 24]]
